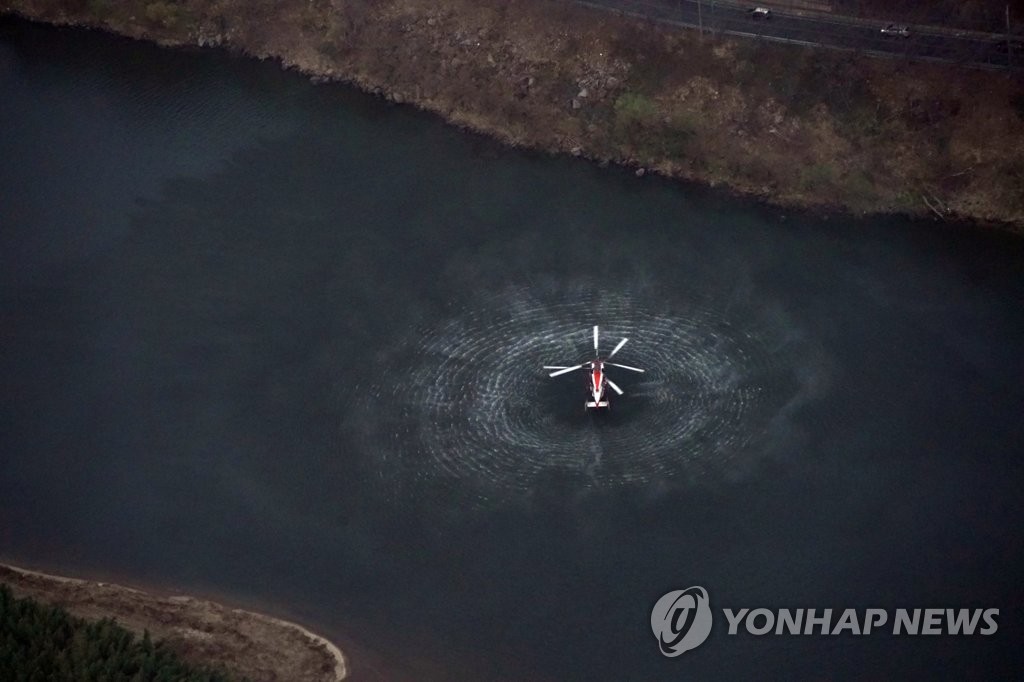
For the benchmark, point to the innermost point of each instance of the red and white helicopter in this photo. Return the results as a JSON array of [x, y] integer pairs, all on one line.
[[598, 379]]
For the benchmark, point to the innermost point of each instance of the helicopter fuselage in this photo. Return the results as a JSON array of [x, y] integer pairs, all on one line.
[[597, 385]]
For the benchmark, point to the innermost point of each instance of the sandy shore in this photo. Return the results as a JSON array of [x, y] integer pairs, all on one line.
[[253, 645]]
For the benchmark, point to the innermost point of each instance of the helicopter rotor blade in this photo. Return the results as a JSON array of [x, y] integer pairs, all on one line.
[[595, 338], [565, 371], [618, 347], [633, 369], [614, 387], [556, 367]]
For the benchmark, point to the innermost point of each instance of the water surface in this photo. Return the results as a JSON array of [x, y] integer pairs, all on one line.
[[283, 342]]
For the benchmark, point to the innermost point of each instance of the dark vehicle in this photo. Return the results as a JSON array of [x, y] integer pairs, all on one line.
[[895, 30]]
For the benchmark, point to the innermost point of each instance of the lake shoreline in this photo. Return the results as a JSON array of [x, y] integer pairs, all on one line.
[[200, 631], [609, 121]]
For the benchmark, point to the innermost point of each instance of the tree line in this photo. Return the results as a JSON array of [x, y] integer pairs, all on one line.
[[41, 643]]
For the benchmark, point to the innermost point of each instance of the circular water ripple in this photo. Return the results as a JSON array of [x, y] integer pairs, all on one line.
[[469, 399]]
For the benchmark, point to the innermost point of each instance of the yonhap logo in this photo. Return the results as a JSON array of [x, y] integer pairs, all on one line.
[[681, 620]]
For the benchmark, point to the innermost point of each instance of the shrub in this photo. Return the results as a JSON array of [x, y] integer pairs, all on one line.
[[165, 14], [631, 108], [100, 8], [818, 176]]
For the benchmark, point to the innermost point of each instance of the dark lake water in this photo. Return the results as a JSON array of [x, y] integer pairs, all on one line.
[[282, 342]]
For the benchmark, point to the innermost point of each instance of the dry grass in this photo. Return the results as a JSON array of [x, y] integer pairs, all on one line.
[[246, 644], [793, 125]]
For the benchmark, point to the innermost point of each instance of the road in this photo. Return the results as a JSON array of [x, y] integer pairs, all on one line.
[[822, 30]]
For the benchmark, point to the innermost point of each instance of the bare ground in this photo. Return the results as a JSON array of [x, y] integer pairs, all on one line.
[[791, 125], [255, 646]]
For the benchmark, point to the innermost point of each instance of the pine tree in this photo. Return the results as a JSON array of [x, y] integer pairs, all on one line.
[[45, 644]]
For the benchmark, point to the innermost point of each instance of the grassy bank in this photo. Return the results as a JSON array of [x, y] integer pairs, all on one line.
[[790, 124], [40, 642], [191, 631]]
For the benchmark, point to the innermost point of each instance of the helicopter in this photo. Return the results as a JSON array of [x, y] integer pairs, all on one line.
[[598, 377]]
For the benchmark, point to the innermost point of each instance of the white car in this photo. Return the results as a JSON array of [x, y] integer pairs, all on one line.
[[761, 13], [895, 30]]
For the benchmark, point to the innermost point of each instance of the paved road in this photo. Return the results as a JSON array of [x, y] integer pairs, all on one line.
[[932, 43]]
